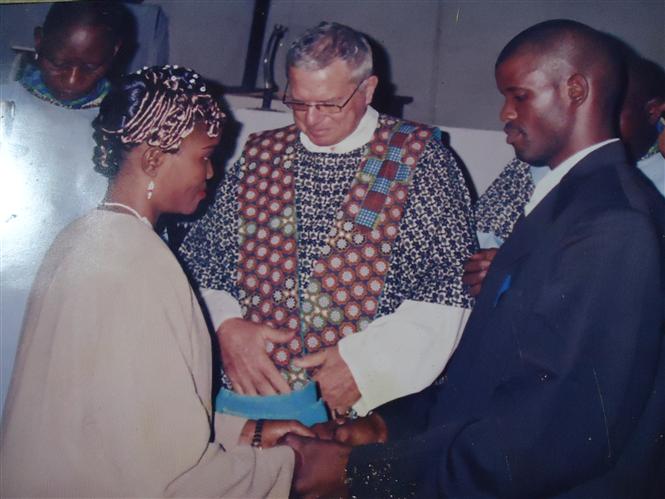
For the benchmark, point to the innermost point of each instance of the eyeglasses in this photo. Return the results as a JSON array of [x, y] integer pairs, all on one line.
[[322, 107]]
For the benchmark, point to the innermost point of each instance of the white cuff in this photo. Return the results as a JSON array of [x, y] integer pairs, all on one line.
[[488, 240], [221, 306], [403, 352]]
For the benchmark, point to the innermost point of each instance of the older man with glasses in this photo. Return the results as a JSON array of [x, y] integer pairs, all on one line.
[[346, 222]]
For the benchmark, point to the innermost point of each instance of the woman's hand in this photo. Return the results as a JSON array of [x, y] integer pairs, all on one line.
[[272, 431]]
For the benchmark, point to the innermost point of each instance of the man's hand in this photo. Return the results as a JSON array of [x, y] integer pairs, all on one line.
[[371, 429], [273, 430], [246, 362], [361, 431], [475, 269], [320, 466], [338, 388], [326, 431]]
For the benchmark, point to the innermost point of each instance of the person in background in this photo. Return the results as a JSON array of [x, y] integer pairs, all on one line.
[[645, 97], [48, 178], [497, 210], [111, 395], [345, 222], [661, 131], [556, 388]]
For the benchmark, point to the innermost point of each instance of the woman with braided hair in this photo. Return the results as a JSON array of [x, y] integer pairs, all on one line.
[[111, 394]]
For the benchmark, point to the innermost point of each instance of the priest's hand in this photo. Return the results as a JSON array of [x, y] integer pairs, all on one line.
[[272, 431], [320, 466], [338, 388], [475, 269], [246, 362]]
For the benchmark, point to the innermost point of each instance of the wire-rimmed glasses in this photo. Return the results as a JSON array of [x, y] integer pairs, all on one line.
[[323, 107]]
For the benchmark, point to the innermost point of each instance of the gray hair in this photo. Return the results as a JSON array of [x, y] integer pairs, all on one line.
[[320, 46]]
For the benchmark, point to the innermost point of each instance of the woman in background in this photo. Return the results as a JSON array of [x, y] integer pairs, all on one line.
[[112, 388]]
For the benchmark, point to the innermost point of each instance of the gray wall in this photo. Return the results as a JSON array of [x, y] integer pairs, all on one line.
[[210, 36], [441, 52]]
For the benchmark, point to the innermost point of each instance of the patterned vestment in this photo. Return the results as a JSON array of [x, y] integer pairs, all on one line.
[[435, 232]]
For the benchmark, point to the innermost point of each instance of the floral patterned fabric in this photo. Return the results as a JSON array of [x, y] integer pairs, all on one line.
[[497, 210]]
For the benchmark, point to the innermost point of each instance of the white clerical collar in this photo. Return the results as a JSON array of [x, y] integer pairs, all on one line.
[[554, 176], [358, 138]]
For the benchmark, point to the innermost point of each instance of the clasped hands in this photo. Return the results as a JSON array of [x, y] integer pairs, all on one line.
[[322, 452], [321, 462], [252, 372]]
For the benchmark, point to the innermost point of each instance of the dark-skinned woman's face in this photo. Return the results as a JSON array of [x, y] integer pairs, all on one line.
[[74, 59]]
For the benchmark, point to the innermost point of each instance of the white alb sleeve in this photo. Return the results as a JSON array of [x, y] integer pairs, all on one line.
[[403, 352], [221, 305]]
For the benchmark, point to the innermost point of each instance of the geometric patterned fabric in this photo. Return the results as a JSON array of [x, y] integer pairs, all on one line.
[[347, 278]]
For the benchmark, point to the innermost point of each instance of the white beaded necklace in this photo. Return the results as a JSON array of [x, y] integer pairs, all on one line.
[[129, 209]]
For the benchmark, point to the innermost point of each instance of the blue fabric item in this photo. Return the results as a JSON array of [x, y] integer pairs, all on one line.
[[301, 405], [660, 124], [505, 286]]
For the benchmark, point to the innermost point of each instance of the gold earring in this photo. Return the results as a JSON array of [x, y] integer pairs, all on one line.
[[151, 189]]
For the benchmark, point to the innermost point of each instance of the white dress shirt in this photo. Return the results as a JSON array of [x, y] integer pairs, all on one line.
[[654, 168], [554, 176]]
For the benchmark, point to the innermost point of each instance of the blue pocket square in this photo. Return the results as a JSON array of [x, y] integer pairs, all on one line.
[[505, 286]]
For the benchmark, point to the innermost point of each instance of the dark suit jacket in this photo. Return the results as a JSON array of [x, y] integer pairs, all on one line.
[[558, 385]]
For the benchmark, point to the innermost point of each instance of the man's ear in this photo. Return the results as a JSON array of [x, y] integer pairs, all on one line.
[[152, 160], [38, 34], [578, 89], [370, 87]]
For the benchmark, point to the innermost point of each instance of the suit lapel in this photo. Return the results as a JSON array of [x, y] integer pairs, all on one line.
[[528, 230]]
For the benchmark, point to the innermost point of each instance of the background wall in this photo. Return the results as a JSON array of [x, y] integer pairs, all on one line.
[[441, 53]]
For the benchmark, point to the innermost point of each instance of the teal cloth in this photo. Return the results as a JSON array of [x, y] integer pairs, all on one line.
[[301, 405]]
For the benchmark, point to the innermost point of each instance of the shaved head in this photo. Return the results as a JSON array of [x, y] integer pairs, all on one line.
[[561, 82], [564, 46]]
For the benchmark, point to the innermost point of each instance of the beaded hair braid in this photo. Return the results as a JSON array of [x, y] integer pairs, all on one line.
[[158, 106]]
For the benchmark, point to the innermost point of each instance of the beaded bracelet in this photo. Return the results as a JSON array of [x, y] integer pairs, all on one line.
[[258, 434]]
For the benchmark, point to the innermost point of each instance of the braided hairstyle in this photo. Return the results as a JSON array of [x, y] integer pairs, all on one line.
[[158, 106]]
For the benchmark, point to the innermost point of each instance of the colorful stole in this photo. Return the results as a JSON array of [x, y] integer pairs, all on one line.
[[348, 277]]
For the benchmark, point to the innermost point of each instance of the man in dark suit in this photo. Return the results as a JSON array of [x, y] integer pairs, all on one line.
[[558, 385]]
